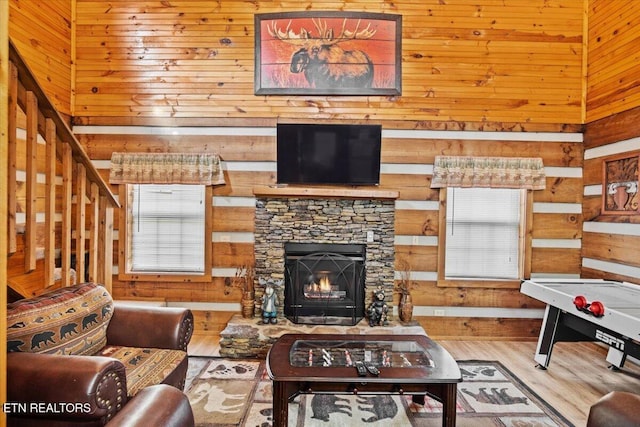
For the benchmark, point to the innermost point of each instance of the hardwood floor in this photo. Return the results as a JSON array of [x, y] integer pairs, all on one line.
[[577, 375]]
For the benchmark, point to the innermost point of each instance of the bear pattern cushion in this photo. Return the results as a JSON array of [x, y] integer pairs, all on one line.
[[71, 320], [145, 366]]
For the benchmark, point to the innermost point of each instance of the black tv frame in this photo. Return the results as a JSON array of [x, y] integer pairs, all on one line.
[[351, 158]]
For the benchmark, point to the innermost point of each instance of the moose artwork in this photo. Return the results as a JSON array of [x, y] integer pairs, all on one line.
[[328, 53]]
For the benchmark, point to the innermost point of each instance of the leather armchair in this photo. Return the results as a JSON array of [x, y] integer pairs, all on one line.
[[615, 409]]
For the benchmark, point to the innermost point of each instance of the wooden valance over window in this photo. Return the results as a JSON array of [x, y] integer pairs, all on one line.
[[165, 168], [492, 172]]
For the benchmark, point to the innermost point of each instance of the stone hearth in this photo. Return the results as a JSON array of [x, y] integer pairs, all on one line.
[[249, 338]]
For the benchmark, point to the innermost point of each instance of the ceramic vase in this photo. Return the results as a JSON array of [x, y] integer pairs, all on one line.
[[247, 305], [405, 308]]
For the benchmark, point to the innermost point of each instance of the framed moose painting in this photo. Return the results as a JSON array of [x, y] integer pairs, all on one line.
[[328, 53]]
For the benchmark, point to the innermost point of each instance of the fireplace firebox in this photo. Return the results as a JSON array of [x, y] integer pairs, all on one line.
[[324, 283]]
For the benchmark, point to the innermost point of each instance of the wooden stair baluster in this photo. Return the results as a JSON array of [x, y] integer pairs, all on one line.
[[94, 232], [31, 183], [105, 254], [12, 245], [67, 172], [50, 204], [81, 209]]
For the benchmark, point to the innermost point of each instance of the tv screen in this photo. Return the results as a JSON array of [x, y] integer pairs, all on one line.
[[328, 154]]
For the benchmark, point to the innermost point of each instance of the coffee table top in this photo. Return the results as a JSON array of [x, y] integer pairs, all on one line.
[[330, 358]]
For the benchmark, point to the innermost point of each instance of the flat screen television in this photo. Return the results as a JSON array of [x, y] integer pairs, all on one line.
[[328, 154]]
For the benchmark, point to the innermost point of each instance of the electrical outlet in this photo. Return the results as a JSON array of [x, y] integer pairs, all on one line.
[[369, 236], [438, 312], [416, 240]]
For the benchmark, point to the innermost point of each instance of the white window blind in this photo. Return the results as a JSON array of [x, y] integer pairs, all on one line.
[[483, 233], [167, 230]]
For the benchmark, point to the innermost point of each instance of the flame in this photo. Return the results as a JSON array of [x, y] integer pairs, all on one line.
[[325, 284]]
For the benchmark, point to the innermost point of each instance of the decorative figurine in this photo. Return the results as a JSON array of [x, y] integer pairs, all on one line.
[[327, 359], [347, 358], [378, 309], [269, 302]]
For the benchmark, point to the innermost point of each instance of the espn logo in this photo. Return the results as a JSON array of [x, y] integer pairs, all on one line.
[[611, 340]]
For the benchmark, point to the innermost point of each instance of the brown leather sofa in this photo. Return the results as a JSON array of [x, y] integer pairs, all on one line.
[[77, 358], [615, 409]]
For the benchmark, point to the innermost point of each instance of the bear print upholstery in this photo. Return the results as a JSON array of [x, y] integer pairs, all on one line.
[[69, 321]]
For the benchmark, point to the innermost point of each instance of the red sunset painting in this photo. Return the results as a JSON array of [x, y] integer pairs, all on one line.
[[347, 54]]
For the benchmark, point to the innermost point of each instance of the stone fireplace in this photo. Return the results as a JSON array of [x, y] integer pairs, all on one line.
[[347, 217], [289, 217]]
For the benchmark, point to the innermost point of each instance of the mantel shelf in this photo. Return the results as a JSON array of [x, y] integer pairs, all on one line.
[[324, 192]]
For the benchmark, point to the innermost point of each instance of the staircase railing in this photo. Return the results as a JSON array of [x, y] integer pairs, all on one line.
[[77, 234]]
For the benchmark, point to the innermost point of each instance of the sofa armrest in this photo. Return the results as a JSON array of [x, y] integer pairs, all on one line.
[[79, 388], [159, 405], [154, 327]]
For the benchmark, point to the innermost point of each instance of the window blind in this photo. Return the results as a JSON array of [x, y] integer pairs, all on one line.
[[168, 223], [483, 233]]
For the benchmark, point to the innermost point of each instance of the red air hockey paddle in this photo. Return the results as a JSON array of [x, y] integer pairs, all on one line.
[[596, 308], [580, 302]]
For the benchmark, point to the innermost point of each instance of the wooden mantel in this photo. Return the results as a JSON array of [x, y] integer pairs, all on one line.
[[324, 192]]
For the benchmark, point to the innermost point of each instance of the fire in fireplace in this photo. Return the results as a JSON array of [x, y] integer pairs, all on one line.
[[324, 283]]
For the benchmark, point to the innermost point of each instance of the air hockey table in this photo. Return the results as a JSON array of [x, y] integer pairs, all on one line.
[[588, 310]]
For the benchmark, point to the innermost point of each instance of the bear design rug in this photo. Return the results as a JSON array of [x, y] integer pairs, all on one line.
[[228, 392]]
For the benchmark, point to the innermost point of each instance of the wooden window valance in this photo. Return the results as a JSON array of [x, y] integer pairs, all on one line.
[[166, 168], [492, 172]]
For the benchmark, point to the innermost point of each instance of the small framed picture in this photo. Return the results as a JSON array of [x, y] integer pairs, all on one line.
[[620, 185]]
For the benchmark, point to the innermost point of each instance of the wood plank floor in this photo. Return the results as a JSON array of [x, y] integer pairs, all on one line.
[[576, 378]]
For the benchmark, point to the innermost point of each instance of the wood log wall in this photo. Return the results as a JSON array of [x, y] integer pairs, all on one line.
[[477, 80], [407, 157], [519, 61], [610, 242]]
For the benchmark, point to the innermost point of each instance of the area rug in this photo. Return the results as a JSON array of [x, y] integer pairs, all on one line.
[[228, 392]]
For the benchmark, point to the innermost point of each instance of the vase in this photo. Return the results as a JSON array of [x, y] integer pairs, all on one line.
[[620, 198], [247, 305], [405, 308]]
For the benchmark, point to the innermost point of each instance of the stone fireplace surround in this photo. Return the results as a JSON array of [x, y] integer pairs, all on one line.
[[325, 215], [317, 215]]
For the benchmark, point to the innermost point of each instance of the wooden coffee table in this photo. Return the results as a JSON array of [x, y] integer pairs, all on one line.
[[318, 363]]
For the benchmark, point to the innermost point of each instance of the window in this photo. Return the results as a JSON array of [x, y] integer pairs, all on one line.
[[166, 230], [484, 234]]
